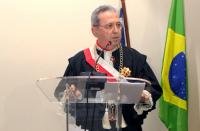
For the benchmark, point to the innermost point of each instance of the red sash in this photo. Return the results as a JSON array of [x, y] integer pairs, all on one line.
[[104, 66]]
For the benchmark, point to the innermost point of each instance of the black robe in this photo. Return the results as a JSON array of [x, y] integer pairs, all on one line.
[[136, 62]]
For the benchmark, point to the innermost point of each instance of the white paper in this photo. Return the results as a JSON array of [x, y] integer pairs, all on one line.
[[129, 92]]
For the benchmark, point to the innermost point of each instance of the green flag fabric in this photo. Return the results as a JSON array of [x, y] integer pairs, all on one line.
[[173, 104]]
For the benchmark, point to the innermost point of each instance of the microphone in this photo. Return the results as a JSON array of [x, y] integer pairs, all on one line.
[[93, 73], [108, 43]]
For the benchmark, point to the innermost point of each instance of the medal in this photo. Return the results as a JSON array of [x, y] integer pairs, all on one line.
[[112, 59], [126, 72], [112, 117], [97, 67]]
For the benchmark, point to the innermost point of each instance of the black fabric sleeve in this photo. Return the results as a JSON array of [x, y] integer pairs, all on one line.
[[145, 72], [71, 68], [62, 85]]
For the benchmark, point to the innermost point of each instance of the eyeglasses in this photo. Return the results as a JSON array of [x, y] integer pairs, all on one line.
[[112, 26]]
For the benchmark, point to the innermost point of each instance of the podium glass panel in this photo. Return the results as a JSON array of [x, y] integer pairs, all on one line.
[[86, 99]]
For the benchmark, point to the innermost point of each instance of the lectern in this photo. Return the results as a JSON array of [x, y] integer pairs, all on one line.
[[90, 102]]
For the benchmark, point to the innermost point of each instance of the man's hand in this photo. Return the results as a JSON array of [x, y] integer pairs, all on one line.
[[66, 95], [76, 93], [145, 103], [144, 97]]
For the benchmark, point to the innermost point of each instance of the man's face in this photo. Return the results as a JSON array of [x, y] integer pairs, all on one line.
[[105, 34]]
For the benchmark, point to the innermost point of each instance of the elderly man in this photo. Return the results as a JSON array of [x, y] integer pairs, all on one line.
[[106, 27]]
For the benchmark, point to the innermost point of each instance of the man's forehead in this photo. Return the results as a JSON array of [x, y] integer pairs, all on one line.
[[109, 16]]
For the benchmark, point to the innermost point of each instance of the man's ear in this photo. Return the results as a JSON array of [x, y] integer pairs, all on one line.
[[94, 31]]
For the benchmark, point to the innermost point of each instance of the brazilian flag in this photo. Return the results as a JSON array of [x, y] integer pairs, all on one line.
[[173, 104]]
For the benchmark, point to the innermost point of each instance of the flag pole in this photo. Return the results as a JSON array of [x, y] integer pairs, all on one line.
[[125, 22]]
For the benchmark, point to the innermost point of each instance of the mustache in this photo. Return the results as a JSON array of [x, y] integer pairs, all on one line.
[[114, 36]]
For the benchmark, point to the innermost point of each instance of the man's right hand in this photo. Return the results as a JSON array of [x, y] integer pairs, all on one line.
[[75, 93]]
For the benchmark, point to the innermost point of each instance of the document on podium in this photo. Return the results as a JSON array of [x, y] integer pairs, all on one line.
[[125, 92]]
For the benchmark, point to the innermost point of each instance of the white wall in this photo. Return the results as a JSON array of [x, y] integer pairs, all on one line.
[[192, 13], [38, 36]]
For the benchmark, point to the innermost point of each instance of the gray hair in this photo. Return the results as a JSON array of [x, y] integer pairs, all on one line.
[[95, 15]]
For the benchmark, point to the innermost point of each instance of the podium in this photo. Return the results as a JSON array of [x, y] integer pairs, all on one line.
[[94, 103]]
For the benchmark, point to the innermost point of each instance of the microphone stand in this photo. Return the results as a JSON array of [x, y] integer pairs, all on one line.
[[93, 73], [109, 43]]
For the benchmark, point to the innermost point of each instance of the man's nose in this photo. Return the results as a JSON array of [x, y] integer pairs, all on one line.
[[115, 29]]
